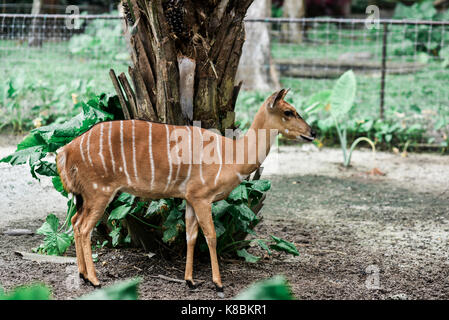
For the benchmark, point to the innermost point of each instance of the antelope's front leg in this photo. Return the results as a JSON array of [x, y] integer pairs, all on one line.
[[191, 236], [204, 217]]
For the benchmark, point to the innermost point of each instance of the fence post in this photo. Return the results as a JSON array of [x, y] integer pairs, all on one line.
[[383, 69]]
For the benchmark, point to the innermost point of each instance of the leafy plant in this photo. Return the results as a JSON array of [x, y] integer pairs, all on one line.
[[55, 242], [339, 102]]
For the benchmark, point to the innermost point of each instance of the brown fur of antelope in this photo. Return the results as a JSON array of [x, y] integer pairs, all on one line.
[[135, 156]]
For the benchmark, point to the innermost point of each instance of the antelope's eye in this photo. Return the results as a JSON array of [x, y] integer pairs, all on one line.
[[288, 113]]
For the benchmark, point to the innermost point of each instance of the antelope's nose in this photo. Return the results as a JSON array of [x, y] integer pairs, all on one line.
[[312, 134]]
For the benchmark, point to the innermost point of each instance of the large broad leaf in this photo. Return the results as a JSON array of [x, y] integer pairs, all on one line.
[[34, 153], [119, 212], [50, 225], [124, 290], [239, 194], [46, 168], [283, 245], [343, 95], [54, 243], [272, 289]]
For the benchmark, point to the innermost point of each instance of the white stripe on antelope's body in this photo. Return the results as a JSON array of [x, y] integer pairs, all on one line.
[[141, 158]]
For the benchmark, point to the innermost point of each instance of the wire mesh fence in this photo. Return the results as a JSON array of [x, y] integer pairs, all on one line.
[[401, 66]]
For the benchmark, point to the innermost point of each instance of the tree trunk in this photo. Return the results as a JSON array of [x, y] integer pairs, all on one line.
[[256, 70], [292, 32], [185, 55]]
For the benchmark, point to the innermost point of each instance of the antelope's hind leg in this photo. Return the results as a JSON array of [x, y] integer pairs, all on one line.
[[204, 217], [191, 236], [94, 208], [76, 221]]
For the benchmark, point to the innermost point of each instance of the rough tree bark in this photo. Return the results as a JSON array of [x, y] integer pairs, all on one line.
[[179, 43], [256, 70], [185, 55]]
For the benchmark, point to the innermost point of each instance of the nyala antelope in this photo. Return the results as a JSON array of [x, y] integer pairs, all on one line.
[[143, 159]]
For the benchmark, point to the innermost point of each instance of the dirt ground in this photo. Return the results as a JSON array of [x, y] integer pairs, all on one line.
[[359, 236]]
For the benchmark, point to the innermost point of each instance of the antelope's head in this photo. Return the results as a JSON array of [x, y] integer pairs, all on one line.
[[284, 117]]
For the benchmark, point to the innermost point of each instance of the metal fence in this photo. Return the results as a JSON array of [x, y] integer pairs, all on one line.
[[401, 66]]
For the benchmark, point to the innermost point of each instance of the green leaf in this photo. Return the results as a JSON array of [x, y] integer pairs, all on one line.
[[57, 183], [220, 229], [219, 208], [54, 243], [275, 288], [261, 185], [264, 246], [173, 224], [49, 226], [343, 94], [283, 245], [33, 292], [115, 236], [239, 194], [31, 140], [119, 212], [247, 256], [158, 207], [124, 290], [46, 168], [126, 198], [21, 156]]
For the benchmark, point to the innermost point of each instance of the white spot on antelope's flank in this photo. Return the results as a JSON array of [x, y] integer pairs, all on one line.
[[120, 169], [95, 186]]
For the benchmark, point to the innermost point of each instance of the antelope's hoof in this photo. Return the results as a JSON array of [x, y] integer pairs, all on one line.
[[96, 286], [191, 285], [84, 278], [220, 291]]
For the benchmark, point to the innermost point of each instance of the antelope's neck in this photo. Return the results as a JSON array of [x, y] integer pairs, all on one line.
[[256, 143]]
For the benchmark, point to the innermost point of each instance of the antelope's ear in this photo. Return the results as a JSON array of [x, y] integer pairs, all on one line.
[[275, 98]]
